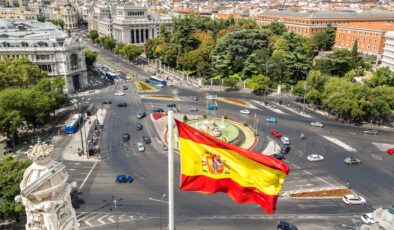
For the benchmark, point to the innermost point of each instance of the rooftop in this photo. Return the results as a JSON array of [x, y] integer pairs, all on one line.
[[381, 26], [330, 14]]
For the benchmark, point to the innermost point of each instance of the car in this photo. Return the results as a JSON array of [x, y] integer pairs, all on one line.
[[317, 124], [122, 105], [212, 107], [125, 87], [271, 120], [245, 111], [119, 93], [139, 126], [283, 225], [353, 199], [146, 139], [126, 137], [171, 105], [275, 133], [211, 97], [194, 98], [370, 132], [158, 110], [367, 218], [285, 140], [140, 147], [315, 157], [352, 161], [141, 115], [160, 85], [107, 102], [193, 109], [278, 156], [390, 151], [285, 149], [124, 179]]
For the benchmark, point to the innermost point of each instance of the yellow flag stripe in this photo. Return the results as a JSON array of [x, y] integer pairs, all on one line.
[[244, 171]]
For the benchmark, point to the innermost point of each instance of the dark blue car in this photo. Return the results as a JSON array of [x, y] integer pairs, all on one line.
[[123, 179], [158, 110]]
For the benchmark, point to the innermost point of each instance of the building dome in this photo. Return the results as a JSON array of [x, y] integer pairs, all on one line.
[[41, 153]]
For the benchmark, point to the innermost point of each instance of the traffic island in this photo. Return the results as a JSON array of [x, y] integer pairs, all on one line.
[[160, 97], [325, 193], [143, 87], [236, 102]]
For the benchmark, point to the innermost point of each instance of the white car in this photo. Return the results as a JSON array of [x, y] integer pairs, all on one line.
[[317, 124], [120, 93], [367, 218], [211, 97], [140, 147], [315, 157], [245, 111], [353, 199], [285, 140]]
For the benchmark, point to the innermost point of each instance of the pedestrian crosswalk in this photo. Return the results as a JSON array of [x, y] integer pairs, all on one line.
[[383, 146], [93, 219]]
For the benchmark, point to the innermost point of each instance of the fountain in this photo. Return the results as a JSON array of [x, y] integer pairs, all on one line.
[[211, 128]]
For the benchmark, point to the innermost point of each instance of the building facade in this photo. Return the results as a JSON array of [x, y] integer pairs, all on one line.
[[308, 23], [17, 13], [370, 37], [133, 24], [48, 47], [388, 51]]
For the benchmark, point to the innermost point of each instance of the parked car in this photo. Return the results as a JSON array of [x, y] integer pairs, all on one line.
[[275, 133], [353, 199], [125, 87], [285, 149], [245, 111], [371, 132], [122, 104], [158, 110], [285, 140], [278, 156], [271, 119], [390, 151], [124, 179], [146, 139], [352, 161], [126, 137], [141, 115], [107, 102], [139, 126], [140, 147], [194, 98], [171, 105], [315, 157], [211, 97], [283, 225], [317, 124], [367, 218], [193, 109], [120, 93], [212, 107]]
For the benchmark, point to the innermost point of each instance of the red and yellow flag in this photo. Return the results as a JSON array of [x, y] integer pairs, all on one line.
[[209, 165]]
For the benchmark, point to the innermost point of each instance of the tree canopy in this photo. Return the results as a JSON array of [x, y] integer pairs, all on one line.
[[90, 57]]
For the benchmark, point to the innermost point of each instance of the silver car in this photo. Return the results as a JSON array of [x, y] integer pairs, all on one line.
[[371, 131], [317, 124], [352, 161]]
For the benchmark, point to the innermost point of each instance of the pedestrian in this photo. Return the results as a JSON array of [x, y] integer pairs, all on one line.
[[330, 131], [348, 184]]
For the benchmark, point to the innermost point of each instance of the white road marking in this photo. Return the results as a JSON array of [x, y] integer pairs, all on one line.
[[383, 146], [100, 219], [87, 176], [111, 218], [340, 143], [87, 221], [270, 108]]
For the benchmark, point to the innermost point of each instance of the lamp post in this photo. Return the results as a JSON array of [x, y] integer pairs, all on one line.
[[113, 204], [160, 202], [303, 107]]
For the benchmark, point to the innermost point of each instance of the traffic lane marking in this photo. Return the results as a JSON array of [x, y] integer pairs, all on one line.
[[87, 176]]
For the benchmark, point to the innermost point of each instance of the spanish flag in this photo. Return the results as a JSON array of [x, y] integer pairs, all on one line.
[[210, 165]]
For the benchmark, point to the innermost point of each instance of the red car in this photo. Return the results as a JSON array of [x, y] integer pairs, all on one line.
[[276, 133], [390, 151]]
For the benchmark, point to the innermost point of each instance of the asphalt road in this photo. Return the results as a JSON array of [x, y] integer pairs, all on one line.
[[135, 209]]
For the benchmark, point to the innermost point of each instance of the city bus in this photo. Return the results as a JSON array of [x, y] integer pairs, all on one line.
[[73, 123], [157, 81]]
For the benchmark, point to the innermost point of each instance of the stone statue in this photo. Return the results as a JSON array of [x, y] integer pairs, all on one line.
[[384, 219], [45, 192]]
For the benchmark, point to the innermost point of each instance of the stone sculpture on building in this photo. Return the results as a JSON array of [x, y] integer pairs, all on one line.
[[45, 192], [384, 219]]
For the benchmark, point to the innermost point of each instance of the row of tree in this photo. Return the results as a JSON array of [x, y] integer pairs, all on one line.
[[129, 51]]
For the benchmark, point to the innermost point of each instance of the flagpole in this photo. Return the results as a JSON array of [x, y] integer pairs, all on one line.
[[170, 172]]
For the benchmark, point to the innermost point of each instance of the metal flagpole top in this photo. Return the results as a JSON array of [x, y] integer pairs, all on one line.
[[170, 135]]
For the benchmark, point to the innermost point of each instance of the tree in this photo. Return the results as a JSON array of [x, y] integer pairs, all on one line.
[[278, 66], [315, 86], [93, 34], [11, 174], [108, 42], [230, 82], [58, 22], [167, 53], [324, 39], [277, 28], [90, 57], [259, 83], [41, 18], [131, 51], [355, 49], [381, 76], [19, 73], [256, 63], [338, 63]]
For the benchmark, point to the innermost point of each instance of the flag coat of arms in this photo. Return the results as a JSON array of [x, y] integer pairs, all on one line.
[[210, 165]]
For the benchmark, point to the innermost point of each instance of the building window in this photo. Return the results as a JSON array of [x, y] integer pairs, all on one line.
[[74, 61]]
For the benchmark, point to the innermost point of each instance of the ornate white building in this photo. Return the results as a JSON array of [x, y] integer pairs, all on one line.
[[388, 51], [48, 47]]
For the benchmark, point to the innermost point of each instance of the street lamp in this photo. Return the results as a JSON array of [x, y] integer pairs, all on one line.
[[113, 205], [303, 107], [160, 201]]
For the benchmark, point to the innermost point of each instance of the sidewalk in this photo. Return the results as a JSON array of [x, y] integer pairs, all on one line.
[[70, 152]]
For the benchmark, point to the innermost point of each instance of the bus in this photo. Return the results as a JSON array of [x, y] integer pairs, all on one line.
[[72, 124], [157, 81]]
